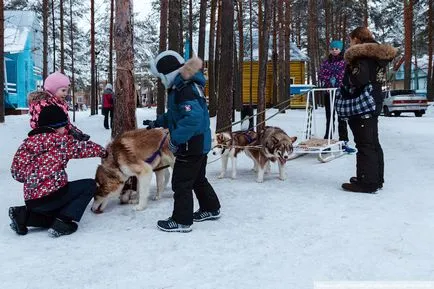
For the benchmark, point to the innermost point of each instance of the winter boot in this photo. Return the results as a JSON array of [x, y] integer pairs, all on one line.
[[170, 225], [354, 180], [60, 228], [359, 188], [201, 215], [348, 149], [18, 216]]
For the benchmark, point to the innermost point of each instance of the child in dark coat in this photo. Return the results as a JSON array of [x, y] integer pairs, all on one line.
[[39, 163], [188, 121]]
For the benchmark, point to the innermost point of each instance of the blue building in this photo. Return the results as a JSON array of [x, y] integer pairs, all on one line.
[[23, 57]]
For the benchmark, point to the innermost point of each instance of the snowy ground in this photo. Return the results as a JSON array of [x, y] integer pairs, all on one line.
[[271, 235]]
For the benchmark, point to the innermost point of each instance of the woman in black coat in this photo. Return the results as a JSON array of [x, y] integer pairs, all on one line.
[[366, 64]]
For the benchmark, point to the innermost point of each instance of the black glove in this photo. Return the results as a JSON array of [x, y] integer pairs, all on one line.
[[78, 135], [150, 123]]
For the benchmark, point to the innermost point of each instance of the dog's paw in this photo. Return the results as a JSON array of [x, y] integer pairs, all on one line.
[[156, 197], [234, 177], [282, 178], [221, 176], [259, 180], [139, 208], [133, 201]]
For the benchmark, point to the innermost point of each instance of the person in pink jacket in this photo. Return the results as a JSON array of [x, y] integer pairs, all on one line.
[[56, 87], [51, 201]]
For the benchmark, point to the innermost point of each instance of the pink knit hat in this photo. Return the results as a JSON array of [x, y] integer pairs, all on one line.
[[55, 81]]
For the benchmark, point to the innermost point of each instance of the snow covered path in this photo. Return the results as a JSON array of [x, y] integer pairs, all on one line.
[[271, 235]]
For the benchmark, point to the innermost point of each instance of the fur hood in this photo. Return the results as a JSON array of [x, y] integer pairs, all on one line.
[[370, 50], [37, 96], [191, 67]]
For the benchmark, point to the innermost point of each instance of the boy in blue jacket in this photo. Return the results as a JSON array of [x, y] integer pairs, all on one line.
[[188, 121]]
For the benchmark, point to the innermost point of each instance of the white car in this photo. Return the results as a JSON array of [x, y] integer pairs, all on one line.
[[404, 100]]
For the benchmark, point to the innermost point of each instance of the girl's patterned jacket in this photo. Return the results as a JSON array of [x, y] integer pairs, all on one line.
[[41, 160], [331, 72]]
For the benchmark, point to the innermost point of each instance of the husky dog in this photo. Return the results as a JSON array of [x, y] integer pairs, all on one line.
[[276, 145], [229, 145], [134, 153]]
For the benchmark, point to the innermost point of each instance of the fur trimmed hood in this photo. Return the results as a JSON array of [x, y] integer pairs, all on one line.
[[38, 96], [370, 50], [191, 67]]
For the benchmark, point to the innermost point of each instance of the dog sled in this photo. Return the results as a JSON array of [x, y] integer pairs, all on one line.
[[325, 149]]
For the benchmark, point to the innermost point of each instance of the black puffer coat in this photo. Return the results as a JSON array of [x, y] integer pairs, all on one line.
[[366, 63]]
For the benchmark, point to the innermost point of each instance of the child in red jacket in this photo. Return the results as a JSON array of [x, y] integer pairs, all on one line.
[[40, 162], [56, 87]]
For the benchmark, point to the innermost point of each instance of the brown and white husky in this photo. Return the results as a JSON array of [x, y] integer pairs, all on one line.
[[134, 153]]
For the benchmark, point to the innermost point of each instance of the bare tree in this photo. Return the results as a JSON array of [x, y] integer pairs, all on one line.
[[225, 97], [240, 17], [62, 47], [430, 76], [263, 59], [110, 65], [365, 13], [45, 14], [2, 60], [93, 107], [251, 52], [408, 38], [202, 24], [161, 91], [175, 28], [53, 23], [125, 104], [190, 28], [211, 62], [71, 36]]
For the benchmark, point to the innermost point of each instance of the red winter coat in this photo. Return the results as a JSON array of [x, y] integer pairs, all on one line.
[[107, 99], [41, 160], [40, 99]]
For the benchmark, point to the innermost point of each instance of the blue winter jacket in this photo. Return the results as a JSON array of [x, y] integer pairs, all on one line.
[[187, 116]]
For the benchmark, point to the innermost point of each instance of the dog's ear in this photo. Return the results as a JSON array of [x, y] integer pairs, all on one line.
[[293, 139]]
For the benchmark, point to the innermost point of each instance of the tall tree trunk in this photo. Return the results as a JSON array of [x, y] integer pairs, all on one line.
[[71, 36], [217, 57], [92, 59], [240, 17], [275, 59], [190, 28], [251, 52], [212, 98], [408, 38], [225, 97], [62, 47], [282, 59], [202, 24], [327, 22], [2, 61], [125, 104], [287, 70], [161, 91], [110, 65], [54, 34], [312, 30], [175, 25], [263, 59], [430, 79], [365, 13], [45, 15]]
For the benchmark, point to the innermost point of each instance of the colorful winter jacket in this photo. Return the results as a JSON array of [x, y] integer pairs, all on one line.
[[41, 160], [40, 99], [107, 98], [187, 116], [366, 64], [331, 71]]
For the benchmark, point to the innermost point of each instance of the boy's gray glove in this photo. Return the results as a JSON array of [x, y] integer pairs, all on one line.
[[150, 123]]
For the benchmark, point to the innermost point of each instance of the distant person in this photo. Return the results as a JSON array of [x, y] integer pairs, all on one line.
[[39, 163], [367, 62], [56, 87], [188, 121], [107, 106], [331, 74]]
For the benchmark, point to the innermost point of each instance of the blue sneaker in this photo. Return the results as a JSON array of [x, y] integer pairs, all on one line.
[[200, 215], [170, 225], [348, 149]]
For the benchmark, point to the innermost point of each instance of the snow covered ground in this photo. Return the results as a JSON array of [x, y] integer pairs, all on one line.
[[277, 234]]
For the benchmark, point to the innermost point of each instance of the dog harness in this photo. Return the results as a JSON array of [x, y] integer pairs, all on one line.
[[157, 153]]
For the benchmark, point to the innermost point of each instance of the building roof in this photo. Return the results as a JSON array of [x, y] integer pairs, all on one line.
[[18, 25]]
